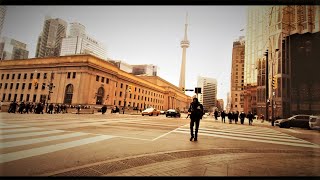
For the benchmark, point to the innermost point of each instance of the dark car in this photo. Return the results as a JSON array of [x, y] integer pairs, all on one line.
[[301, 121], [173, 113]]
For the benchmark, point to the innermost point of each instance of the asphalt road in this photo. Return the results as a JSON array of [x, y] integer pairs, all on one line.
[[135, 145]]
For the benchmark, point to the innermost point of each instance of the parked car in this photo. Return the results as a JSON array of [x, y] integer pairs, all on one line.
[[314, 122], [162, 112], [300, 120], [150, 112], [173, 113]]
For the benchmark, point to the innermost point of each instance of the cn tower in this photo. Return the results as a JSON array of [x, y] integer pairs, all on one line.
[[184, 45]]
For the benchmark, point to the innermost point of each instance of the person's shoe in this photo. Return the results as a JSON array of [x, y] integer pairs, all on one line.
[[195, 139], [191, 138]]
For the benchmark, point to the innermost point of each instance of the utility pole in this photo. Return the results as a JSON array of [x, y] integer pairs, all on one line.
[[267, 84]]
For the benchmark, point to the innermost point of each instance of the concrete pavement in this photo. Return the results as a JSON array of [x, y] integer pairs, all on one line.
[[127, 145]]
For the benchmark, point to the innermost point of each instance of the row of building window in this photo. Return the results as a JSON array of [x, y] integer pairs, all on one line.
[[25, 76], [102, 79], [14, 98], [23, 86], [138, 105], [142, 90], [138, 97]]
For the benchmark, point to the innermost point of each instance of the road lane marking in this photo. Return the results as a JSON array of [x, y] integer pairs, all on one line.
[[49, 149], [40, 140], [256, 140], [257, 137], [168, 132], [21, 129], [11, 136]]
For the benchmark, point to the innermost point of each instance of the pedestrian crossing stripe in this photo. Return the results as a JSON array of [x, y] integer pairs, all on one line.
[[264, 133], [50, 148], [40, 140], [30, 134], [260, 138]]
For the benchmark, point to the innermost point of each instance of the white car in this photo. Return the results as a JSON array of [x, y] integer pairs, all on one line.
[[314, 122]]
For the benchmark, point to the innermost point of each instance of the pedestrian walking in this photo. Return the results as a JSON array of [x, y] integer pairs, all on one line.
[[250, 117], [78, 109], [230, 117], [104, 109], [242, 116], [196, 110], [28, 107], [236, 116], [216, 115], [223, 117], [50, 108]]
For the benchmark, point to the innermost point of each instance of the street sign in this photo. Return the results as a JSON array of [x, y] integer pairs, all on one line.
[[188, 89]]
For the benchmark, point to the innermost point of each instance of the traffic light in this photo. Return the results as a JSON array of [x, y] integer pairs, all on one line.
[[183, 89], [274, 82], [129, 88]]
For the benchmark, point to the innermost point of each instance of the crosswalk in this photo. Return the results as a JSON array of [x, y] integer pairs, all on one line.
[[24, 138], [256, 134]]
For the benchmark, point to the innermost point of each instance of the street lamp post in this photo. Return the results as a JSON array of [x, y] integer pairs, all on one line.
[[273, 92], [267, 85]]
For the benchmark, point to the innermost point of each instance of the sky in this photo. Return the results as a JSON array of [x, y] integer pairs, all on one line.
[[148, 35]]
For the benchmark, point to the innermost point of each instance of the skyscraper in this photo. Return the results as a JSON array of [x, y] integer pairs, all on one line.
[[78, 42], [280, 46], [3, 10], [184, 45], [50, 39], [208, 96], [12, 49], [237, 75]]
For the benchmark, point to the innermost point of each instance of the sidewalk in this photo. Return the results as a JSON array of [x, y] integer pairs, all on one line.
[[211, 162]]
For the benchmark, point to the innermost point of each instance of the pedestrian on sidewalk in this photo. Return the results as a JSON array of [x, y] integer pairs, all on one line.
[[216, 115], [104, 109], [196, 110], [230, 116], [223, 117], [242, 116], [236, 116], [250, 117]]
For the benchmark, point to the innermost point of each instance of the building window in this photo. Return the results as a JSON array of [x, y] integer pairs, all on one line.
[[139, 90], [119, 103], [102, 79], [28, 97], [97, 78], [44, 75], [19, 76], [5, 85], [15, 97], [107, 81], [236, 105], [23, 85], [17, 86], [114, 102], [115, 93], [43, 86], [31, 76], [138, 97], [25, 76], [120, 94], [2, 76], [135, 89], [69, 75], [121, 86], [0, 85], [9, 97], [236, 100], [36, 86], [38, 75], [21, 97], [126, 86], [3, 96], [13, 75], [30, 85], [34, 98], [74, 75], [134, 97], [8, 76], [11, 85], [130, 96], [52, 76]]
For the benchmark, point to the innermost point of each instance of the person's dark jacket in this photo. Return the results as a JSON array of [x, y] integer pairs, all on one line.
[[196, 110]]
